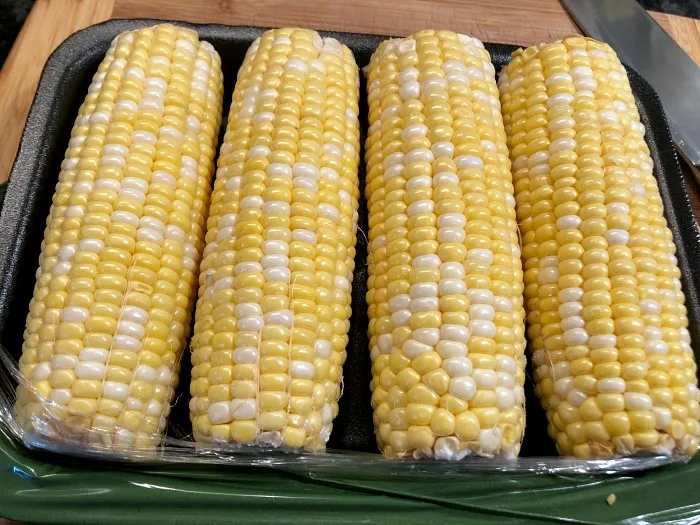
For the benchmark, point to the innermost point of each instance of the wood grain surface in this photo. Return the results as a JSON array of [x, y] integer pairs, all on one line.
[[49, 23], [531, 22], [523, 22]]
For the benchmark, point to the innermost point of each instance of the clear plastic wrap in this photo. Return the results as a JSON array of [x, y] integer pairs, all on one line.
[[53, 434], [40, 487], [356, 467]]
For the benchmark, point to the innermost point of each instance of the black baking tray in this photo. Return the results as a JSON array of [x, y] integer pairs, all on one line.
[[35, 172]]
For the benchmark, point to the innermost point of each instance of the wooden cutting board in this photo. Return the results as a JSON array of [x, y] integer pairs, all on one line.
[[52, 21]]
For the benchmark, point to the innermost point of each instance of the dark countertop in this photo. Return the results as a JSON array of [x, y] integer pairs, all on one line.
[[12, 16], [689, 8]]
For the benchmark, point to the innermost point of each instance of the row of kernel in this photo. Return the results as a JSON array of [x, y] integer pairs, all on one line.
[[550, 227], [305, 396], [35, 353], [142, 329], [516, 84], [105, 370], [203, 121], [493, 272], [339, 188], [224, 383], [72, 273], [661, 309], [383, 108]]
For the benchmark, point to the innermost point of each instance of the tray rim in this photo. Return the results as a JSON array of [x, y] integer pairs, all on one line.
[[65, 59]]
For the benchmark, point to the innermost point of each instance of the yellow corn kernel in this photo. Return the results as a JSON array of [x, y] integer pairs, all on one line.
[[445, 279], [274, 298], [115, 287], [602, 288]]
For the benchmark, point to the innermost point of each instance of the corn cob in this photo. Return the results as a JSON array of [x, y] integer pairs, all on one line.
[[445, 286], [607, 324], [115, 288], [274, 300]]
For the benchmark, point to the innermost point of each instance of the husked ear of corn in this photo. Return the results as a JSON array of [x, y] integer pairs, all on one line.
[[274, 299], [445, 278], [610, 349], [115, 288]]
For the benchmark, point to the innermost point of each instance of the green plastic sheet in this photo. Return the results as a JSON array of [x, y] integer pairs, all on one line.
[[39, 487]]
